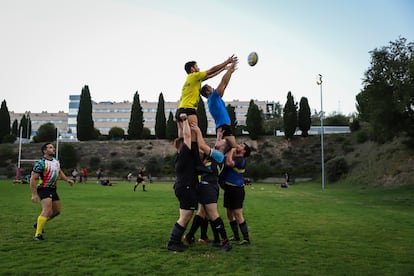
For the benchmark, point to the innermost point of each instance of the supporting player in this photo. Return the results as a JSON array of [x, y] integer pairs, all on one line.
[[184, 187], [233, 182], [208, 191]]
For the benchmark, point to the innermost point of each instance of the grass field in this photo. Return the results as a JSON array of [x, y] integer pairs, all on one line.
[[343, 230]]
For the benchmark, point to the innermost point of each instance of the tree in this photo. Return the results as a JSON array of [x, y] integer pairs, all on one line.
[[85, 126], [4, 121], [68, 156], [136, 121], [15, 128], [254, 121], [290, 117], [202, 117], [387, 98], [116, 133], [304, 117], [236, 130], [171, 129], [160, 122], [45, 133]]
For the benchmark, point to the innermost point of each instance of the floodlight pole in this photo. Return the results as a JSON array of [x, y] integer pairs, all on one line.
[[319, 82]]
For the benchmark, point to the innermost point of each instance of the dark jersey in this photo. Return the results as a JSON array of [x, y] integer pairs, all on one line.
[[185, 168], [235, 175], [215, 163]]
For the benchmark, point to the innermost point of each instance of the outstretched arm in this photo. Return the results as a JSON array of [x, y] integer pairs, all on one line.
[[226, 79], [200, 140], [215, 70], [229, 157]]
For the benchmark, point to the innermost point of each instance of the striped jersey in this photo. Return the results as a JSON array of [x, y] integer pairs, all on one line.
[[49, 172]]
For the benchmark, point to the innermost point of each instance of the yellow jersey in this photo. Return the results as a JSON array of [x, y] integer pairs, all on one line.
[[190, 93]]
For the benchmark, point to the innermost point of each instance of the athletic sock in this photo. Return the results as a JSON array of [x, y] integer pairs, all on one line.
[[235, 229], [176, 234], [203, 228], [195, 225], [244, 230], [41, 221], [215, 233], [219, 226]]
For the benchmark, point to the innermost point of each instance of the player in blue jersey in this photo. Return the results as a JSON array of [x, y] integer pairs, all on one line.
[[49, 171], [232, 181], [217, 106]]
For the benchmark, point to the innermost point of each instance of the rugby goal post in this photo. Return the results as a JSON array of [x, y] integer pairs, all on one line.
[[20, 160]]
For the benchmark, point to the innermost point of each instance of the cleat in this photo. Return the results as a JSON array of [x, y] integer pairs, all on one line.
[[177, 247], [235, 239], [206, 240], [226, 247], [244, 242], [215, 244], [38, 238], [189, 240]]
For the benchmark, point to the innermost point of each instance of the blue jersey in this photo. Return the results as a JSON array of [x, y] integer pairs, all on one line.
[[235, 175], [218, 110]]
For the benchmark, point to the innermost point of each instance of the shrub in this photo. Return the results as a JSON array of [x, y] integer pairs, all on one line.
[[336, 168], [362, 137]]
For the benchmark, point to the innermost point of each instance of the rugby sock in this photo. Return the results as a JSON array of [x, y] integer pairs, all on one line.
[[219, 226], [41, 221], [176, 234], [244, 230], [203, 229], [235, 228], [215, 233], [194, 226]]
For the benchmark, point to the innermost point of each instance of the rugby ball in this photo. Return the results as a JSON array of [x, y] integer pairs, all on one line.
[[252, 58]]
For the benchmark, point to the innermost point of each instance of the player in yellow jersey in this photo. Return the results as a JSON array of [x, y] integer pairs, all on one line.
[[191, 91]]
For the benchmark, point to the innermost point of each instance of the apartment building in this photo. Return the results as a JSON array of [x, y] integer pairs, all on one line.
[[109, 114]]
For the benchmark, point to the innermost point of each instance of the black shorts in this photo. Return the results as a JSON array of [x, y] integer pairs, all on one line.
[[208, 193], [226, 129], [187, 196], [188, 111], [233, 197], [47, 193]]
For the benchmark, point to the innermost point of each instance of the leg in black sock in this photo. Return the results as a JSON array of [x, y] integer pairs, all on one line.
[[245, 232], [235, 228], [174, 244]]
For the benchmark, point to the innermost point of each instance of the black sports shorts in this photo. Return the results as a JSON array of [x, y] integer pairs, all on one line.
[[188, 111], [208, 193], [47, 193], [187, 196], [226, 129], [233, 197]]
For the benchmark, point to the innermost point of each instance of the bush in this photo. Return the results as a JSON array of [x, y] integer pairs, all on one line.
[[68, 156], [362, 137], [336, 168]]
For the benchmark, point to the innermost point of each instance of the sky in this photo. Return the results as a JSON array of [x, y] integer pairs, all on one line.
[[51, 49]]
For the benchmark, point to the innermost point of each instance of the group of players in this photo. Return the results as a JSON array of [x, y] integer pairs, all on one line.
[[198, 179]]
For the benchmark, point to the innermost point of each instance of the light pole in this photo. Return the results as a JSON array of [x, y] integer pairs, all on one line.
[[319, 82]]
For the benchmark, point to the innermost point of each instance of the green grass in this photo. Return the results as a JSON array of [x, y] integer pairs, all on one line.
[[297, 231]]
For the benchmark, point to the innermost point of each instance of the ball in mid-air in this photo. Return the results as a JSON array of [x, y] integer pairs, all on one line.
[[252, 58]]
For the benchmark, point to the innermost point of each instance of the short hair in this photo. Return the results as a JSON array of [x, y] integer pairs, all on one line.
[[188, 65], [247, 150], [203, 90], [44, 147]]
